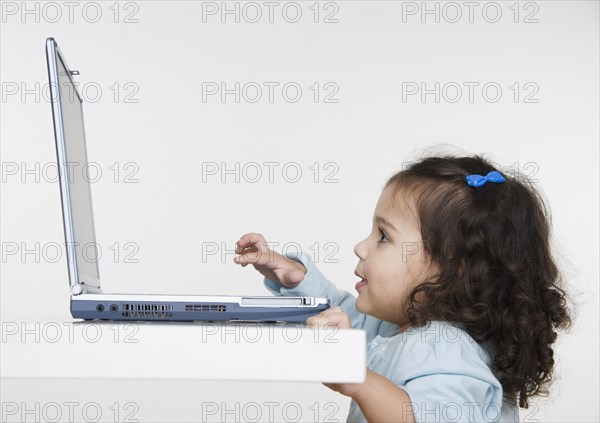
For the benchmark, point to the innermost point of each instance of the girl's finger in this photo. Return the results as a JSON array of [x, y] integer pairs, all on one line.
[[332, 313], [322, 320], [250, 240], [252, 248], [331, 310], [337, 317], [252, 256], [241, 260]]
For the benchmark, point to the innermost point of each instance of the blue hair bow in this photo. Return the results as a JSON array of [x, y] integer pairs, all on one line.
[[475, 180]]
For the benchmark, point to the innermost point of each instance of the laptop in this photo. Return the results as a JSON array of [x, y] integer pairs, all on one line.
[[88, 301]]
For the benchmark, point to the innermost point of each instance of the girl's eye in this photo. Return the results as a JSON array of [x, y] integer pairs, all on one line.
[[383, 236]]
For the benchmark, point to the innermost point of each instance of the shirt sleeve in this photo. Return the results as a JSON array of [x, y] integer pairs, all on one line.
[[445, 397], [448, 379], [315, 284]]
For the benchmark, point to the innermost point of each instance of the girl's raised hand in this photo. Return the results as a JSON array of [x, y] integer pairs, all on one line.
[[253, 249]]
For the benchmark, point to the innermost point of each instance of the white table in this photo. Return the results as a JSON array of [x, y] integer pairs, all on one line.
[[173, 350], [184, 372]]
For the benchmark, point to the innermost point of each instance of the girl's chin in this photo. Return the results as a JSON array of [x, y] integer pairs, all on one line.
[[359, 305]]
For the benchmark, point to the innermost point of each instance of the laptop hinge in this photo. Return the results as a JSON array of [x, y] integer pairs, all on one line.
[[82, 288]]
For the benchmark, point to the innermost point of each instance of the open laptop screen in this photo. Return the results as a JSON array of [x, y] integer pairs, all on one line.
[[78, 174]]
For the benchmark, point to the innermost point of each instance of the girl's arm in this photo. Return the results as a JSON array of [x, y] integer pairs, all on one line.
[[432, 373], [380, 400], [282, 279]]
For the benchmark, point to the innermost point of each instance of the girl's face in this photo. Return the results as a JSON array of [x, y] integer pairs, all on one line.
[[391, 261]]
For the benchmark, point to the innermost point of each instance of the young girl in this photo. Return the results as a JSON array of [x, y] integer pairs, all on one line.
[[459, 295]]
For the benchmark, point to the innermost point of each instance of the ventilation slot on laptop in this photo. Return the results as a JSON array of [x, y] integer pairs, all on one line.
[[148, 310], [206, 307]]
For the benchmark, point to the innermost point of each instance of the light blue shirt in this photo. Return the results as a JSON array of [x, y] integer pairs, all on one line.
[[444, 371]]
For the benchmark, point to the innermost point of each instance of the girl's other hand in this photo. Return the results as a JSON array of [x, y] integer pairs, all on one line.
[[332, 317], [252, 249], [336, 317], [349, 389]]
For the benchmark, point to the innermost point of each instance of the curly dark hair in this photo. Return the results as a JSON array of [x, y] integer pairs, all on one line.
[[496, 275]]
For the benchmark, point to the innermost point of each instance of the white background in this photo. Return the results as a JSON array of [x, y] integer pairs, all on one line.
[[371, 52]]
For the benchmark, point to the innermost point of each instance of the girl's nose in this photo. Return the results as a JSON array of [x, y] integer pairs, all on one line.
[[360, 250]]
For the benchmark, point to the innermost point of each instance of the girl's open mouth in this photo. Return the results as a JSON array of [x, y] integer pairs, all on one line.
[[360, 284]]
